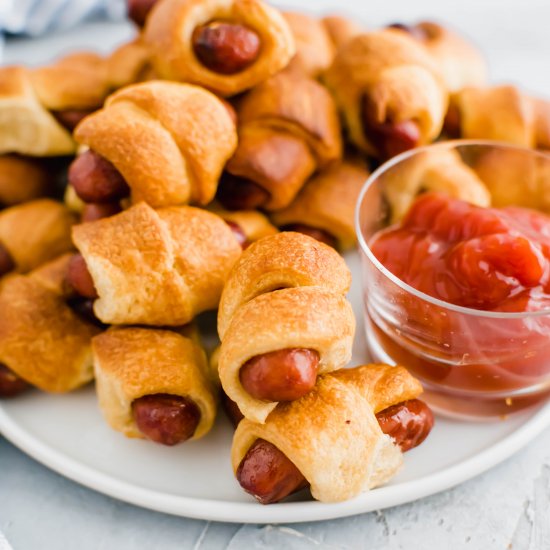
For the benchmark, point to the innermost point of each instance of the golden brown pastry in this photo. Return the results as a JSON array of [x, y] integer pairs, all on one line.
[[331, 436], [34, 233], [157, 267], [129, 64], [459, 61], [434, 170], [325, 207], [390, 92], [153, 384], [157, 138], [22, 179], [227, 46], [26, 126], [501, 113], [340, 29], [283, 318], [314, 48], [515, 178], [43, 340], [288, 128]]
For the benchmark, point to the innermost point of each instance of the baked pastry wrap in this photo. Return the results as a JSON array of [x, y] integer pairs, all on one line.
[[157, 267], [382, 79], [327, 202], [160, 136], [169, 35], [36, 232], [42, 339], [332, 435], [130, 363]]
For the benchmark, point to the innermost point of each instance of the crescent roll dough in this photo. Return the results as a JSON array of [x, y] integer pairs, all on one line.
[[502, 113], [340, 29], [314, 47], [395, 76], [327, 201], [438, 169], [160, 136], [332, 435], [36, 232], [42, 339], [133, 362], [306, 317], [22, 179], [288, 128], [284, 260], [157, 267], [129, 64], [169, 30], [26, 126]]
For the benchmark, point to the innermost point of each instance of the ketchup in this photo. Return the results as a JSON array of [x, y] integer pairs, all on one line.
[[493, 259], [489, 259]]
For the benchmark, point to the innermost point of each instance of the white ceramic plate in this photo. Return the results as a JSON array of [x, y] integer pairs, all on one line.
[[68, 434]]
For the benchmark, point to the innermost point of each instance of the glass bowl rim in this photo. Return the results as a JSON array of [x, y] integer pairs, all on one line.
[[364, 247]]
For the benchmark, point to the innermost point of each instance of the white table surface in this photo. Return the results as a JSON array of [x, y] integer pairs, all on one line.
[[508, 507]]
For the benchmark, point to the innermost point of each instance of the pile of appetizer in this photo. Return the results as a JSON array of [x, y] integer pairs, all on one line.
[[214, 162]]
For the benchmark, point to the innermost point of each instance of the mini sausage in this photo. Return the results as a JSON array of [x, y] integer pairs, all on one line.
[[408, 423], [239, 234], [138, 10], [10, 383], [452, 122], [166, 419], [414, 30], [84, 307], [318, 234], [268, 475], [96, 211], [70, 119], [79, 279], [282, 375], [6, 261], [95, 179], [237, 193], [389, 138], [225, 48]]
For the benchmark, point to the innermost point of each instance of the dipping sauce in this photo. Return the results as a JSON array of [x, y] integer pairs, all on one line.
[[493, 260]]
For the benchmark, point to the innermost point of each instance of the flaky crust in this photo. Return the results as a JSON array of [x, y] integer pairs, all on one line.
[[459, 61], [398, 76], [340, 29], [288, 128], [305, 317], [515, 178], [327, 201], [129, 64], [157, 267], [502, 113], [160, 136], [332, 435], [22, 179], [26, 127], [133, 362], [433, 170], [254, 224], [41, 339], [284, 260], [36, 232], [170, 26], [314, 47], [76, 81]]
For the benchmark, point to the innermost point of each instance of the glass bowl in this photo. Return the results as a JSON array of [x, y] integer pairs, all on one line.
[[473, 364]]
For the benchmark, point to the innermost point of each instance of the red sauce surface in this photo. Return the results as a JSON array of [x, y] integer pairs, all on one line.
[[494, 259]]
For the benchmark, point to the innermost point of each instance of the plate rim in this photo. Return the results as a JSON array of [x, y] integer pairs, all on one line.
[[291, 512]]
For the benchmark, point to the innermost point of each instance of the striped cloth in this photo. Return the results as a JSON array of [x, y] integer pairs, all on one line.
[[35, 17]]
